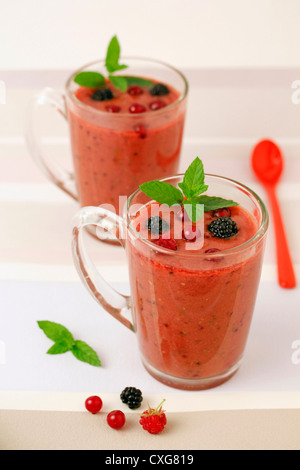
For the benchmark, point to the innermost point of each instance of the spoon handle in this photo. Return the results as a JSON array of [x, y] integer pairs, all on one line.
[[286, 274]]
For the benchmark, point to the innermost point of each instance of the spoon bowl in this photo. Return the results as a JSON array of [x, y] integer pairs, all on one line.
[[267, 164]]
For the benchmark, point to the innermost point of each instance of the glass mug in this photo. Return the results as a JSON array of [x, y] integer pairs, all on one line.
[[111, 156], [191, 314]]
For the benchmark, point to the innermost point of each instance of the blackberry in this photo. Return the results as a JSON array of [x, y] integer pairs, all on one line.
[[132, 397], [159, 90], [103, 94], [156, 225], [223, 227]]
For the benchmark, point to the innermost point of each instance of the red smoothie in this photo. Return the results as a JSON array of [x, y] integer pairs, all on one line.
[[193, 309], [121, 142]]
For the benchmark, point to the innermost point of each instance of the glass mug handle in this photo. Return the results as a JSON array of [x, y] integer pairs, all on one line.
[[58, 175], [115, 303]]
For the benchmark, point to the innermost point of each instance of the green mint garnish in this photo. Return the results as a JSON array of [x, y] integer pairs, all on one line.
[[137, 81], [91, 79], [113, 56], [118, 82], [188, 195], [64, 342], [162, 192]]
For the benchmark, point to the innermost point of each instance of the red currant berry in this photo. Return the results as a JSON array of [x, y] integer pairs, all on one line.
[[135, 90], [141, 131], [113, 108], [93, 404], [137, 108], [169, 243], [181, 214], [116, 419], [212, 250], [190, 233], [157, 104], [224, 212]]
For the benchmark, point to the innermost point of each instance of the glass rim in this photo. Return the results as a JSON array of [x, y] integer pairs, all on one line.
[[121, 115], [261, 231]]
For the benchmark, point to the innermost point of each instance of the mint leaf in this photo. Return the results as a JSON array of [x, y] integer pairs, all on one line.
[[118, 82], [212, 202], [90, 79], [193, 209], [162, 192], [64, 342], [192, 186], [59, 348], [83, 352], [193, 181], [113, 56], [137, 81], [56, 332]]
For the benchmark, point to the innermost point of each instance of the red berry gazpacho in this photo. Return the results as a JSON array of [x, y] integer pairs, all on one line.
[[124, 129], [193, 306], [136, 137]]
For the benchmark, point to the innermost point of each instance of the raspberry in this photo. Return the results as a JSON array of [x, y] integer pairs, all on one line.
[[223, 227], [103, 94], [132, 397], [159, 90], [153, 420], [156, 225]]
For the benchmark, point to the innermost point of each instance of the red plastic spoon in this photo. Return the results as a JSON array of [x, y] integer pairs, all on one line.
[[267, 164]]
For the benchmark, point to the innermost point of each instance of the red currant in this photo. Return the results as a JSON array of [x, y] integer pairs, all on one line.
[[137, 108], [181, 214], [93, 404], [224, 212], [135, 90], [116, 419], [157, 104], [212, 250], [113, 108], [190, 233]]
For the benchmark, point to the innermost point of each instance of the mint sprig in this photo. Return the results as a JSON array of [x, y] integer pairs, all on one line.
[[91, 79], [189, 194], [113, 56], [64, 342]]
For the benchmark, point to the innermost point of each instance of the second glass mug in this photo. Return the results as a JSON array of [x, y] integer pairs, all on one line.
[[110, 158], [191, 314]]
